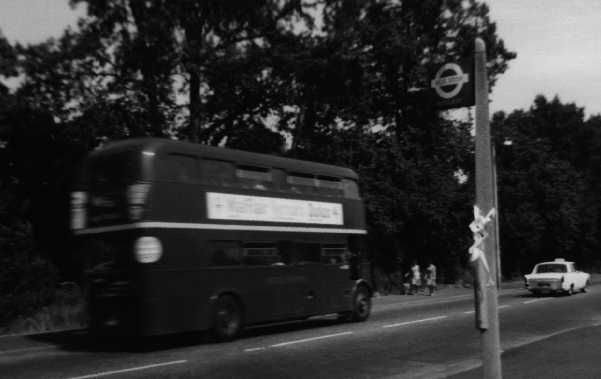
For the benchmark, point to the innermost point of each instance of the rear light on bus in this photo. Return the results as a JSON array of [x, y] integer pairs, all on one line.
[[148, 249], [136, 197], [78, 209]]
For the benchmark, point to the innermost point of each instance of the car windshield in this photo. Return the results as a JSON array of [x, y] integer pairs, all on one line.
[[550, 268]]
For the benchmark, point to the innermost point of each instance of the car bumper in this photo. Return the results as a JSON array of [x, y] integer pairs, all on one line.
[[543, 286]]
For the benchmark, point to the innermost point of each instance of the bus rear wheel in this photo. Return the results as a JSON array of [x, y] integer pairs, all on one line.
[[227, 319], [361, 305]]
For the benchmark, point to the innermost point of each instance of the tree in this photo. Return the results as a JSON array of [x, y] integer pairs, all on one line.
[[263, 75], [548, 186], [375, 53], [26, 277], [359, 80]]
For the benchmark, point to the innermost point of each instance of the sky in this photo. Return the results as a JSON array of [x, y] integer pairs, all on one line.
[[558, 45]]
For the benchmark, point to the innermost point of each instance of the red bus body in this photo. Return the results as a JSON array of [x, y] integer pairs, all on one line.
[[167, 228]]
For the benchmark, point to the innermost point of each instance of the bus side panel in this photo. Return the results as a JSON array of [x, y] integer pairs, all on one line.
[[336, 288], [261, 293], [169, 287], [179, 288]]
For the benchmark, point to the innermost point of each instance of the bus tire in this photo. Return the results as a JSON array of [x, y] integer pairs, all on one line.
[[226, 322], [361, 305]]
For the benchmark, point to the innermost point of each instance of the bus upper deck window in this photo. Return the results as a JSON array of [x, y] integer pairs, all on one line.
[[302, 183], [115, 168], [217, 172], [329, 186], [302, 179], [179, 167], [351, 189], [254, 177]]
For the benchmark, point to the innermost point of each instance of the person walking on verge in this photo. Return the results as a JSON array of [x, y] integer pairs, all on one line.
[[399, 280], [431, 278], [415, 278]]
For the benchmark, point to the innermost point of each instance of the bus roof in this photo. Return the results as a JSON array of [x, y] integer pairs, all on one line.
[[162, 145]]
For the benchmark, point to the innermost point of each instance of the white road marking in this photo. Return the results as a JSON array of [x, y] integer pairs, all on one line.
[[528, 341], [534, 300], [105, 373], [449, 299], [311, 339], [499, 307], [25, 349], [431, 300], [414, 321], [41, 332], [254, 349]]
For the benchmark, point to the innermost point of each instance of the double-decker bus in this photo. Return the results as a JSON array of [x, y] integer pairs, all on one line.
[[178, 236]]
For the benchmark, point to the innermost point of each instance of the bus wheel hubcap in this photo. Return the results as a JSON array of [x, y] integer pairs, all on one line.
[[228, 320]]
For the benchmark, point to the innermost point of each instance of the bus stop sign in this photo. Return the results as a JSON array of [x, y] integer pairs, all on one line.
[[453, 85]]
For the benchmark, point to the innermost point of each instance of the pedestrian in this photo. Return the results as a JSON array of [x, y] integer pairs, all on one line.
[[431, 278], [415, 278], [406, 283], [399, 281]]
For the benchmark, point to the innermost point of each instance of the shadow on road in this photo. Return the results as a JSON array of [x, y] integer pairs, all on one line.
[[81, 340]]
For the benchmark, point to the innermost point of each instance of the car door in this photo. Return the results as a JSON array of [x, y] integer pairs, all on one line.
[[579, 278]]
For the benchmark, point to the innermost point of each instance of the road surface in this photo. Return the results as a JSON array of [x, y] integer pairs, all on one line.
[[406, 337]]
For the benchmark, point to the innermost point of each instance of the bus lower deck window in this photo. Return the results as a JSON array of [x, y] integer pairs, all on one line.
[[261, 255], [225, 253]]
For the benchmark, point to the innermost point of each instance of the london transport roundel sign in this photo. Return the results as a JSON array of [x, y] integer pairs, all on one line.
[[453, 84], [449, 86]]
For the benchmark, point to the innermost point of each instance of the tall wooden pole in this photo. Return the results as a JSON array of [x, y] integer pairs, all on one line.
[[485, 201]]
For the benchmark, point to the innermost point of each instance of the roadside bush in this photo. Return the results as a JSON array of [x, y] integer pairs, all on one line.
[[27, 281]]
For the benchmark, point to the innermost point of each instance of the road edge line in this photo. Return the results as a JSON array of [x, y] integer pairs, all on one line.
[[138, 368]]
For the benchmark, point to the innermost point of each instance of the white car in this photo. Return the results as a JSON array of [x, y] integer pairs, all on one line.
[[558, 276]]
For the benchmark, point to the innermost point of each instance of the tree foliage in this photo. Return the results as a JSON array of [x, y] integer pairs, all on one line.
[[548, 184], [325, 80], [26, 276]]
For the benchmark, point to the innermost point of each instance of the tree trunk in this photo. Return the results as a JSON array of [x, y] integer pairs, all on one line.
[[195, 106]]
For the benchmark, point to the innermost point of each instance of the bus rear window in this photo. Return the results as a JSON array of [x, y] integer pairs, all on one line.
[[178, 167], [351, 189], [114, 168]]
